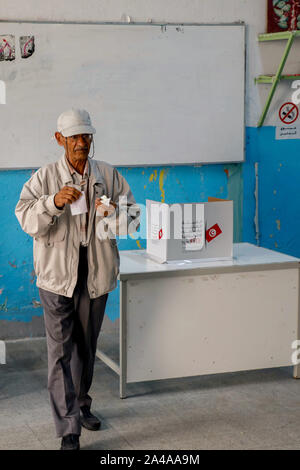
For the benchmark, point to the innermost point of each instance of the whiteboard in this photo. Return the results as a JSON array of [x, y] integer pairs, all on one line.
[[157, 95]]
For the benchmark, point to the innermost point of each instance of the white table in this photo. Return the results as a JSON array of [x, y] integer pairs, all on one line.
[[193, 318]]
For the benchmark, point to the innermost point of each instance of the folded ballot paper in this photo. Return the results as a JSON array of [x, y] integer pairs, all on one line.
[[105, 200]]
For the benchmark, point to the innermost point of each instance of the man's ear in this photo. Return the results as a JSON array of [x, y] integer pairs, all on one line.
[[59, 139]]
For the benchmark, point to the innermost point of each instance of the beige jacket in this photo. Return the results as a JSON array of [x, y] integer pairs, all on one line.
[[56, 232]]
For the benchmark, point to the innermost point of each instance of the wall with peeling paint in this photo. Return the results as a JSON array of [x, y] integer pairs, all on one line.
[[279, 224]]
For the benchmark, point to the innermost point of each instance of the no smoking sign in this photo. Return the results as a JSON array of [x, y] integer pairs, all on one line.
[[288, 113]]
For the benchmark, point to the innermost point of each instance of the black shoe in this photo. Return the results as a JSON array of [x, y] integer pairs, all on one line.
[[70, 442], [88, 420]]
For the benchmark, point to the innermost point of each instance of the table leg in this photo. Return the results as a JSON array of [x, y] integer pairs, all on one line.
[[296, 372], [123, 338]]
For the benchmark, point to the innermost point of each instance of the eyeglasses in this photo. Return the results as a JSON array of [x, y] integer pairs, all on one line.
[[86, 137]]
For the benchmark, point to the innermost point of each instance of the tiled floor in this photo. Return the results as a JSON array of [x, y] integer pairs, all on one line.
[[245, 410]]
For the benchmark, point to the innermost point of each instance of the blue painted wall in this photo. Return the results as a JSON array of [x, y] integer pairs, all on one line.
[[279, 195], [279, 215]]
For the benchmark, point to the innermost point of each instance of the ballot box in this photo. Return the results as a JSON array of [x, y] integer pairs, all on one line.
[[189, 231]]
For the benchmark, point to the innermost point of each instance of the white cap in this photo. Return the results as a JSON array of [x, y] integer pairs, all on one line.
[[75, 121]]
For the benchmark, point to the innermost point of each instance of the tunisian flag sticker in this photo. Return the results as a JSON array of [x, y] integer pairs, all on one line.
[[212, 232]]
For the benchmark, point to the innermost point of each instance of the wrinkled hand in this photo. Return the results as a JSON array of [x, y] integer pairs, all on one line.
[[104, 210], [66, 195]]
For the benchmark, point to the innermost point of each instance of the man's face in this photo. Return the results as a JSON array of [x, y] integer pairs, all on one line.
[[77, 146]]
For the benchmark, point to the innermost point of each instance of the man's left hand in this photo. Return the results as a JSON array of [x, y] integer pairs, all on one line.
[[104, 210]]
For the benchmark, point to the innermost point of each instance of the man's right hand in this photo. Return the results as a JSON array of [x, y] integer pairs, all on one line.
[[66, 195]]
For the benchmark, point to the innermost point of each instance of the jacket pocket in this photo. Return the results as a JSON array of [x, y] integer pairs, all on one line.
[[57, 232], [114, 245], [113, 241]]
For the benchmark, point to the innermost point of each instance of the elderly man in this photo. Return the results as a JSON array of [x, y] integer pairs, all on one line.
[[75, 267]]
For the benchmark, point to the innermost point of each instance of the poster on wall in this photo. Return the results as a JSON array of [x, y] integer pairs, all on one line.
[[288, 127], [7, 47], [26, 46], [283, 15]]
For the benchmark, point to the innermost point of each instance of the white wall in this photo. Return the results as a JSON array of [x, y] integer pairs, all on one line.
[[261, 58]]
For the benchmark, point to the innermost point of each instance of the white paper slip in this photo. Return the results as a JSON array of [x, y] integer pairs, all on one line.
[[193, 232], [79, 206], [105, 200]]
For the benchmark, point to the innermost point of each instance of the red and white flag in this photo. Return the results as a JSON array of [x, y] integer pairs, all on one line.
[[212, 232]]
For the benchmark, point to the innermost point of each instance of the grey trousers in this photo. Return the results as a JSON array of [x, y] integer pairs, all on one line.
[[72, 328]]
